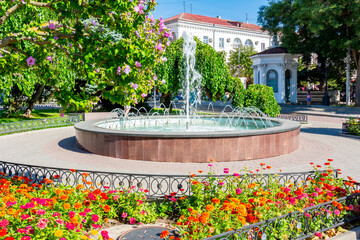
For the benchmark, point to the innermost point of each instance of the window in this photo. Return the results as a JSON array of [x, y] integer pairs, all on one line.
[[236, 43], [272, 79], [248, 43], [206, 39], [221, 42], [262, 46]]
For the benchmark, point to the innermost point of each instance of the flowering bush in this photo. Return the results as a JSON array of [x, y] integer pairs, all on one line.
[[353, 125], [33, 211], [220, 205]]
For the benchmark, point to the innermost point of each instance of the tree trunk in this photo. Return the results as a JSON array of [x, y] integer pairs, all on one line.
[[34, 98], [356, 55]]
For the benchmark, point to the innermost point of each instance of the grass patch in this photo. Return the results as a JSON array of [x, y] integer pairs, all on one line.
[[36, 114]]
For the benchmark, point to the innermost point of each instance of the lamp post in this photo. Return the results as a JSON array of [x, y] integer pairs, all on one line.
[[328, 67]]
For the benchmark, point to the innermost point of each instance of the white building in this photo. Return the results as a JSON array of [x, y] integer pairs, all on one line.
[[221, 34], [277, 68]]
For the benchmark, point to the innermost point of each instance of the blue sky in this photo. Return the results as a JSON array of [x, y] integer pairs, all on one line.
[[227, 9]]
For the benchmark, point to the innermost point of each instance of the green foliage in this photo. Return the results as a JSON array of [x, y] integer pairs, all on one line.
[[216, 79], [307, 27], [353, 125], [245, 63], [263, 98], [100, 42], [238, 97]]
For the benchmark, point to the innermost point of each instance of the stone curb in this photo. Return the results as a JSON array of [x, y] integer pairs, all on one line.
[[352, 234]]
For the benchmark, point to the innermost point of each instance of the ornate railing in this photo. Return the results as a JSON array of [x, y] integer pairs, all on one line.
[[157, 185], [20, 126], [298, 224], [302, 118]]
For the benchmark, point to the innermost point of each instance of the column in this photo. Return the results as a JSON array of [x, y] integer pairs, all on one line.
[[256, 75], [262, 79], [293, 83], [281, 83]]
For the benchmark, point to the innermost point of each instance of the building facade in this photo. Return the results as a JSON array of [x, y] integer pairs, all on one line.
[[221, 34]]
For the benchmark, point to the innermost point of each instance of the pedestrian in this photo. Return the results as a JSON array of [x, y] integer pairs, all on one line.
[[308, 98]]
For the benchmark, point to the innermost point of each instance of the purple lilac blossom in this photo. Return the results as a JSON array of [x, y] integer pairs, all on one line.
[[143, 95], [163, 81], [134, 86], [164, 59], [56, 38], [159, 47], [118, 71], [48, 58], [155, 78], [139, 9], [137, 64], [30, 61], [51, 26], [127, 70], [93, 22]]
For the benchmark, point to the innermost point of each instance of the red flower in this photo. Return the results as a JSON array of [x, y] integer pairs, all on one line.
[[72, 170], [318, 166], [3, 232], [164, 234], [330, 160]]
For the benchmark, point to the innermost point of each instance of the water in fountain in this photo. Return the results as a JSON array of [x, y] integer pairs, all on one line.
[[192, 80]]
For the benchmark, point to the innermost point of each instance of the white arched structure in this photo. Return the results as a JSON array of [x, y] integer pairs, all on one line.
[[277, 68]]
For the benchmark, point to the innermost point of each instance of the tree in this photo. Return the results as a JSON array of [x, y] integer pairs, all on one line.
[[113, 45], [245, 63], [327, 28]]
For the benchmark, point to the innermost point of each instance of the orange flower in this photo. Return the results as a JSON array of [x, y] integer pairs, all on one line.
[[211, 229], [215, 200], [72, 170], [192, 175], [164, 234], [211, 160], [210, 208], [107, 208], [262, 164], [85, 174], [268, 167], [77, 205], [64, 197], [66, 206], [200, 171]]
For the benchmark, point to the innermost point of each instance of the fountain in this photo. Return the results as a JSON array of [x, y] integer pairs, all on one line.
[[192, 135]]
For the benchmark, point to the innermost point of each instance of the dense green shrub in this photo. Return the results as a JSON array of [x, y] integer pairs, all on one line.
[[239, 92], [262, 97]]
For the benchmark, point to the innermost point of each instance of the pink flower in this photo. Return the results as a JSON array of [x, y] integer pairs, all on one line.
[[56, 214], [210, 165], [286, 190], [236, 174], [69, 226], [4, 223], [159, 47], [30, 61], [173, 199], [226, 170], [26, 237], [137, 64], [87, 210], [318, 190], [163, 81], [155, 78], [95, 218], [116, 197], [24, 216], [337, 212], [83, 214], [42, 223], [132, 220], [139, 9], [48, 58], [124, 215], [118, 71], [238, 191], [164, 59], [59, 221], [105, 235], [134, 86], [314, 194], [292, 201], [71, 214], [21, 230], [143, 95], [127, 70], [307, 215], [351, 207], [318, 234], [221, 183], [40, 212]]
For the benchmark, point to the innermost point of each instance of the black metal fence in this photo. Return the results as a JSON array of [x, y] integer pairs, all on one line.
[[20, 126], [157, 185], [302, 118], [298, 224]]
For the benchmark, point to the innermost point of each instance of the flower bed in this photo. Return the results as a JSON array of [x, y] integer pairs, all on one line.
[[352, 126], [245, 205]]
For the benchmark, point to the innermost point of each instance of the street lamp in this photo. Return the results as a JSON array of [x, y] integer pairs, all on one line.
[[328, 67]]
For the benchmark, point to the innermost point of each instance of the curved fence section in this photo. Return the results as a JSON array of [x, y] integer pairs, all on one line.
[[70, 119], [157, 186]]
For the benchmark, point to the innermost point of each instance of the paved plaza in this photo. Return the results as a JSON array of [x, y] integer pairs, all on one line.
[[320, 139]]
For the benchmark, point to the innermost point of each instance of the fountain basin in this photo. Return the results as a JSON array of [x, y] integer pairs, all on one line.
[[234, 145]]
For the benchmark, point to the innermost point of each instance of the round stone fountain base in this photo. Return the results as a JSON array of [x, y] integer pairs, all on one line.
[[190, 146]]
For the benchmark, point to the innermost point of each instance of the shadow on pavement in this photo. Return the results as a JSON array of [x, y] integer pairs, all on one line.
[[322, 131], [71, 145]]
